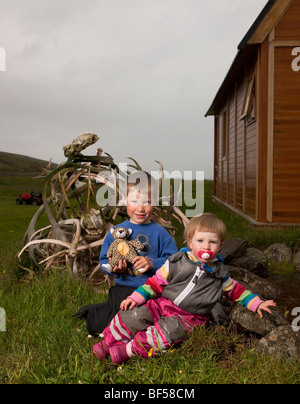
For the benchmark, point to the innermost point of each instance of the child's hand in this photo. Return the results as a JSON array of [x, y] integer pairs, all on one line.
[[127, 304], [121, 268], [144, 263], [264, 306]]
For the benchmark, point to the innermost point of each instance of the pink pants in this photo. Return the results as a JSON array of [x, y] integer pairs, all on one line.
[[158, 324]]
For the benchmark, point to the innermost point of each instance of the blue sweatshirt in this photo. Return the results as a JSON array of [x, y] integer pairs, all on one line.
[[158, 246]]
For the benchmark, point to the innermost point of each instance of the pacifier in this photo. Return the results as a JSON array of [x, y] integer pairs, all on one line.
[[205, 255]]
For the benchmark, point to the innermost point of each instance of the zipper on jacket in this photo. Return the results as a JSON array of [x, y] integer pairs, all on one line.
[[187, 290]]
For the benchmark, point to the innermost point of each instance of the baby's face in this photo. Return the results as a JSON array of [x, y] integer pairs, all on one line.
[[207, 242]]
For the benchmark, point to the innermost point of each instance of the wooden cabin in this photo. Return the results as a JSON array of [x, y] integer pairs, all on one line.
[[257, 121]]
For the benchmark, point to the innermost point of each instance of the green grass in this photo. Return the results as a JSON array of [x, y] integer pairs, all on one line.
[[45, 344], [15, 220]]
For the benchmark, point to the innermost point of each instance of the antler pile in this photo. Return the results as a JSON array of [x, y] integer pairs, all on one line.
[[77, 224]]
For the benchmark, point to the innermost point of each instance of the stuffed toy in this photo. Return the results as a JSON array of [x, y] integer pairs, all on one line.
[[122, 249]]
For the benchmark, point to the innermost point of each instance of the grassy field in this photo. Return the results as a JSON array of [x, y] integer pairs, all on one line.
[[43, 343]]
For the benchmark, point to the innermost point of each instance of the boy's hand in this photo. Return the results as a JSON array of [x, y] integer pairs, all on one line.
[[121, 268], [264, 306], [127, 304], [142, 262]]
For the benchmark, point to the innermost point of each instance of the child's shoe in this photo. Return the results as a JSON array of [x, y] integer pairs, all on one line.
[[119, 354], [100, 352]]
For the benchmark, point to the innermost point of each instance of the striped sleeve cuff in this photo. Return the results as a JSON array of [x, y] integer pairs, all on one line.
[[138, 298], [254, 304]]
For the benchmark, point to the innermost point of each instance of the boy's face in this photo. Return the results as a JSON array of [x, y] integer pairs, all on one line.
[[139, 207], [204, 241]]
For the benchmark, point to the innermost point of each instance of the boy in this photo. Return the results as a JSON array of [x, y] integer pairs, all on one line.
[[140, 199], [189, 284]]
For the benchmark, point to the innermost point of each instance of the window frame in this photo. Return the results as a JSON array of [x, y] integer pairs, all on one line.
[[249, 105]]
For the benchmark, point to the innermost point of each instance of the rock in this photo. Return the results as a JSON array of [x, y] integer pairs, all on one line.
[[233, 248], [296, 261], [251, 264], [251, 322], [262, 287], [281, 342], [279, 253], [258, 255]]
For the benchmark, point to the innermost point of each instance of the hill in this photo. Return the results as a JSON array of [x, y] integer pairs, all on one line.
[[18, 165]]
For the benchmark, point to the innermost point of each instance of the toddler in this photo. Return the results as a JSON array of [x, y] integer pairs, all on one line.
[[178, 298]]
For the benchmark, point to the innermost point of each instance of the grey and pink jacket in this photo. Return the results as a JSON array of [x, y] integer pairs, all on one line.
[[194, 287]]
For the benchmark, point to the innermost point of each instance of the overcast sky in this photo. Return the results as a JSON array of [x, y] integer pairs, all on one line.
[[141, 74]]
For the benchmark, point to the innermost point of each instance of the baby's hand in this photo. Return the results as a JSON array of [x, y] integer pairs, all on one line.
[[264, 306], [142, 263], [127, 304]]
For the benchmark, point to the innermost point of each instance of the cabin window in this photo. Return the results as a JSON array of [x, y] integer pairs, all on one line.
[[248, 110]]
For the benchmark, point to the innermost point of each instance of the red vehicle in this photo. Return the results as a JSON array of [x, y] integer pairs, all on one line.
[[30, 199]]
